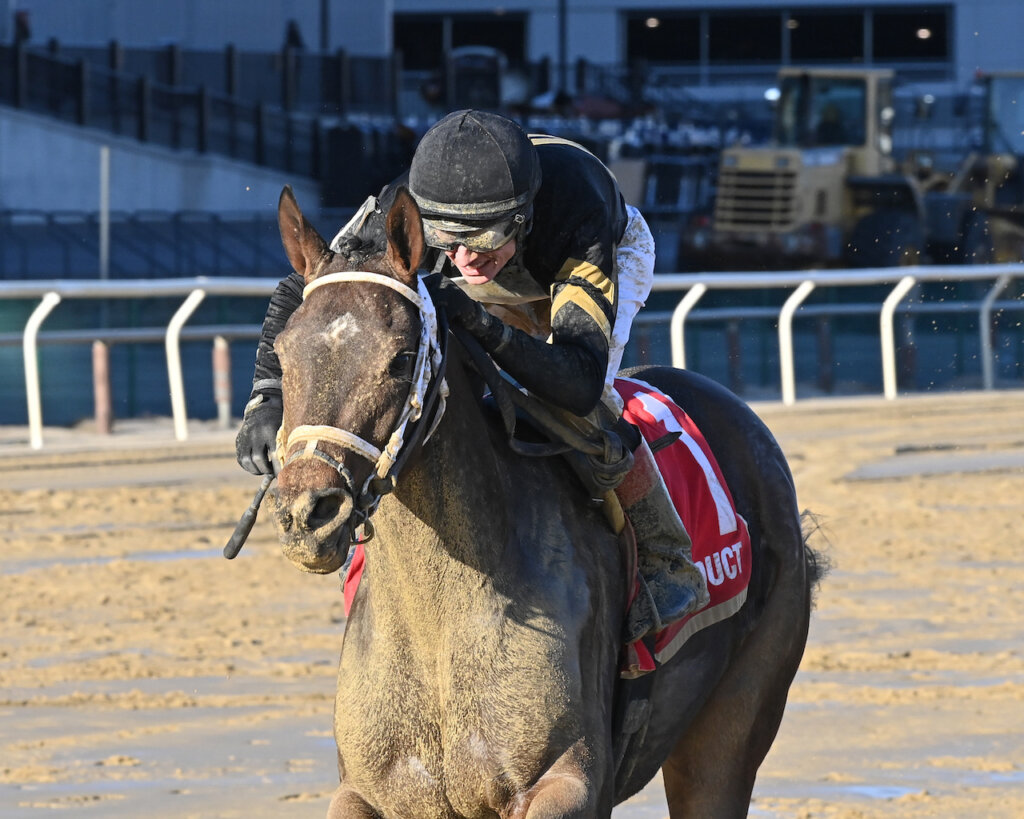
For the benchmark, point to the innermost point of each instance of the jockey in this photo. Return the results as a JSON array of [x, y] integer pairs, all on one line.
[[535, 227]]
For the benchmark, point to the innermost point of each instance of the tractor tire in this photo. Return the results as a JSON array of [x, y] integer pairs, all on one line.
[[976, 240], [886, 238]]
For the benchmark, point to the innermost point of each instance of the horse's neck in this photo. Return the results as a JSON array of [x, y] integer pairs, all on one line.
[[448, 519]]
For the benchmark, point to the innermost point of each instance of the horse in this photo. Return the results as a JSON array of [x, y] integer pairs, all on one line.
[[480, 659]]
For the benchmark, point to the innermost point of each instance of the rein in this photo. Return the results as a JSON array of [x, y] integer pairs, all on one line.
[[507, 396], [424, 403]]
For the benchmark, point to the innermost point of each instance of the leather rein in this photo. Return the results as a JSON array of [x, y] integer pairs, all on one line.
[[424, 407]]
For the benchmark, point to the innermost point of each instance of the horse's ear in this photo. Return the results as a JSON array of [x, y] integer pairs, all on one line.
[[405, 237], [305, 247]]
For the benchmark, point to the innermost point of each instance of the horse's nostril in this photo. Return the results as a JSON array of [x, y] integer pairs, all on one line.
[[325, 510]]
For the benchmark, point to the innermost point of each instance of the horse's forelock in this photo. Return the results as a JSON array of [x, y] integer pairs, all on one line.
[[358, 249]]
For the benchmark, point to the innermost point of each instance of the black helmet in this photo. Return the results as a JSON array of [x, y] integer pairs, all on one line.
[[474, 176]]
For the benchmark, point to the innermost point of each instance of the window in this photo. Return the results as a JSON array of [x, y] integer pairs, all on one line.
[[421, 41], [743, 36], [825, 37], [907, 34], [421, 37], [821, 111], [504, 32], [663, 38]]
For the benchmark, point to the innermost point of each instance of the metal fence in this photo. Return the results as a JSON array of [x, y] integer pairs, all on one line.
[[995, 281], [255, 128], [798, 285]]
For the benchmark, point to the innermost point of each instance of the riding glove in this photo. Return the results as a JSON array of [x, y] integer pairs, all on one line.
[[462, 309], [256, 441], [566, 374]]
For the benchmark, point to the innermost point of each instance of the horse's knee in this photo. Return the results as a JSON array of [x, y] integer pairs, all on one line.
[[560, 796], [347, 804]]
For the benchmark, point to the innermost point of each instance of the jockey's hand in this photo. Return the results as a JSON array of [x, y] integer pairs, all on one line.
[[460, 308], [257, 439], [455, 302]]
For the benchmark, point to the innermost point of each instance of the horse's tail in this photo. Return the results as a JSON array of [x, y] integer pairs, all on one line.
[[817, 561]]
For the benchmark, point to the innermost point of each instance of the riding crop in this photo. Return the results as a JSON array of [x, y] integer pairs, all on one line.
[[247, 521]]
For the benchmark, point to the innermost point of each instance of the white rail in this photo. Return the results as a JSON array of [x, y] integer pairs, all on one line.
[[693, 285], [52, 293], [804, 281]]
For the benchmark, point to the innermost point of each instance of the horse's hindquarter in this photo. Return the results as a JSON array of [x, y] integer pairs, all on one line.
[[751, 461], [715, 707], [470, 694]]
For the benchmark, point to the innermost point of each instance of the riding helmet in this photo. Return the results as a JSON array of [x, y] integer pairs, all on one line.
[[474, 169]]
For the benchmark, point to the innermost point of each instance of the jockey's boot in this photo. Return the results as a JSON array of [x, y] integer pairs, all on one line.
[[670, 585]]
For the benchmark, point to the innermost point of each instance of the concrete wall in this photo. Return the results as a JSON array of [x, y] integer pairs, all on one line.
[[988, 37], [361, 26], [201, 24], [48, 165]]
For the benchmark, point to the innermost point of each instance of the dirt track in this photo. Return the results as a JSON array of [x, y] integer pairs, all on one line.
[[142, 674]]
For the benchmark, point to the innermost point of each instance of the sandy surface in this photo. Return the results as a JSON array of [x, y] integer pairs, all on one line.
[[142, 674]]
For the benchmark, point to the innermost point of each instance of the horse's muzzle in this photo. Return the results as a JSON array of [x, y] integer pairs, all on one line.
[[313, 527]]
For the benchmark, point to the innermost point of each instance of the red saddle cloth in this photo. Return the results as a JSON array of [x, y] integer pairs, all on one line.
[[721, 542]]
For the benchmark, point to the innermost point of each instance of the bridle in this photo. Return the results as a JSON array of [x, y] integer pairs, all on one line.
[[424, 403]]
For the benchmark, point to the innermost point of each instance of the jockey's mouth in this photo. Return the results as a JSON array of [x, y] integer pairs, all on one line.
[[479, 267], [483, 271]]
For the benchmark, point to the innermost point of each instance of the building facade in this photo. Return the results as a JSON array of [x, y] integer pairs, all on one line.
[[701, 42]]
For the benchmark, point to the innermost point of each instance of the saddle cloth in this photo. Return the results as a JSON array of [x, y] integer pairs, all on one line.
[[721, 542]]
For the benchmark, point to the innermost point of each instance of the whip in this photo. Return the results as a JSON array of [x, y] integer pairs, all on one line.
[[247, 521]]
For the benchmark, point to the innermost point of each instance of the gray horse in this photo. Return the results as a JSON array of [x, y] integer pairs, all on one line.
[[479, 666]]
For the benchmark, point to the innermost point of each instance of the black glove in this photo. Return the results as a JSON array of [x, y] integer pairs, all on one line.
[[257, 439], [460, 308]]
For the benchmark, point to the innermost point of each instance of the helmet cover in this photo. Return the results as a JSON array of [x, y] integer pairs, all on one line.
[[474, 168]]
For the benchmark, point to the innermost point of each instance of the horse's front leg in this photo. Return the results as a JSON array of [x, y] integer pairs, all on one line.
[[347, 804], [566, 790]]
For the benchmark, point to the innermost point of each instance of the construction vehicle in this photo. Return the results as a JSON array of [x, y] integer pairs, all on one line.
[[976, 213], [831, 191]]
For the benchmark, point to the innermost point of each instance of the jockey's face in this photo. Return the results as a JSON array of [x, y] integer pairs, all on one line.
[[478, 267]]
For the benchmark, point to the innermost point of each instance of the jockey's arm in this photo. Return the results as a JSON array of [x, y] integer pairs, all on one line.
[[286, 300], [368, 224], [568, 369], [255, 441]]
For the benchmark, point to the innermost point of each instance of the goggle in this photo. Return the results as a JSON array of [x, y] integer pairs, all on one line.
[[446, 235]]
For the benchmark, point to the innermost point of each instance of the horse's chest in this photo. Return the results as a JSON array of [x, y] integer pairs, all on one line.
[[461, 738], [446, 772]]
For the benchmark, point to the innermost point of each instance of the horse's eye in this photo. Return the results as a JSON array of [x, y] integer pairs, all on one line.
[[401, 365]]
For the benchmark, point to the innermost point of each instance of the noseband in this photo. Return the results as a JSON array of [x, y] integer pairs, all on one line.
[[425, 401]]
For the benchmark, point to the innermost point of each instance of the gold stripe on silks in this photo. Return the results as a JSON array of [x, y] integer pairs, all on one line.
[[582, 298], [579, 297], [590, 273]]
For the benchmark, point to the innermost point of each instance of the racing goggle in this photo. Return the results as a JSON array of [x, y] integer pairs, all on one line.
[[446, 235]]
